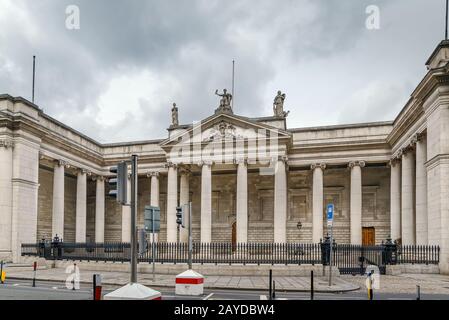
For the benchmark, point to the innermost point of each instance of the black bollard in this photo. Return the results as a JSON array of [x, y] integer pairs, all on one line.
[[418, 292], [270, 279], [274, 290], [34, 273], [311, 285]]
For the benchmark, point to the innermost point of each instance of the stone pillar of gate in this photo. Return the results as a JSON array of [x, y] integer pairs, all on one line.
[[395, 198], [242, 201], [407, 196], [317, 202], [99, 209], [356, 201], [172, 201], [206, 201], [184, 197], [280, 201], [57, 225]]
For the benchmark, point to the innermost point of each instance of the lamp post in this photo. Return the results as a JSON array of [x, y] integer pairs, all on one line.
[[299, 225]]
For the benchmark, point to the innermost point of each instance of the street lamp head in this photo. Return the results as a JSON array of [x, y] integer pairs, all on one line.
[[299, 225]]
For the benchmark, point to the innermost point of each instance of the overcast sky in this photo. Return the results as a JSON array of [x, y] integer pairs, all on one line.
[[116, 78]]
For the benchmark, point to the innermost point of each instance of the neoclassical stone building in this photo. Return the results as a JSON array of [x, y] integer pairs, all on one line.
[[249, 179]]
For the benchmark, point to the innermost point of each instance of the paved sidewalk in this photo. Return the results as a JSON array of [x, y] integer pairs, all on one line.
[[406, 283], [299, 284]]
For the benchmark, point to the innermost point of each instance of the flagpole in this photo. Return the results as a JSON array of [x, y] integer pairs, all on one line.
[[232, 101], [34, 73], [447, 10]]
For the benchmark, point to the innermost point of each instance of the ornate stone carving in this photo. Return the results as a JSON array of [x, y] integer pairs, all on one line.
[[6, 143], [313, 166], [222, 131], [359, 163]]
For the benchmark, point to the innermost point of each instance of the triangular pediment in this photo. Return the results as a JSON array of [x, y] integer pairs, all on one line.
[[225, 127]]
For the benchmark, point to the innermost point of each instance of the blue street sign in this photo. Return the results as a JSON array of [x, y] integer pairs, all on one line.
[[330, 213]]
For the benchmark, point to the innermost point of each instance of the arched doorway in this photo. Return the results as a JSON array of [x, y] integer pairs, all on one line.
[[234, 236]]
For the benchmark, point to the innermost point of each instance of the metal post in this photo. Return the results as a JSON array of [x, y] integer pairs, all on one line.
[[94, 282], [152, 246], [330, 255], [270, 279], [1, 271], [274, 290], [418, 292], [190, 235], [74, 284], [447, 9], [133, 218], [311, 285], [34, 72], [34, 273]]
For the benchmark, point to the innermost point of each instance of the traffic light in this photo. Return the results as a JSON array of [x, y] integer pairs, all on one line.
[[179, 216], [118, 184], [152, 219]]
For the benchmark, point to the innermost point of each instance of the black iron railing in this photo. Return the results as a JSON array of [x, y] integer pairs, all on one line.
[[348, 258]]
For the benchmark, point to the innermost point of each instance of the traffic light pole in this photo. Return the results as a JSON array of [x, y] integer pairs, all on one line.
[[190, 235], [133, 219]]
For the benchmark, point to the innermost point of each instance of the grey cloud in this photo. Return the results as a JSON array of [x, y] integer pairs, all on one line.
[[194, 42]]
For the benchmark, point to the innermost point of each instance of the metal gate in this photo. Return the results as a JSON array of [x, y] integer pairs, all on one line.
[[354, 259]]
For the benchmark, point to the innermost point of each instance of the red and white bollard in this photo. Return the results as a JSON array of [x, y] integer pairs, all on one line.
[[189, 283], [97, 286]]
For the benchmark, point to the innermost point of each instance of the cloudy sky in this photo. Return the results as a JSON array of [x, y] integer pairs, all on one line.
[[116, 77]]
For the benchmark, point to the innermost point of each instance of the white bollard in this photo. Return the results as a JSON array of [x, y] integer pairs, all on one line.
[[189, 283], [133, 291]]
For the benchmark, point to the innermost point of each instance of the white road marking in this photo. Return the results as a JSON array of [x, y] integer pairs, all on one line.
[[263, 297], [208, 296], [55, 288], [16, 284]]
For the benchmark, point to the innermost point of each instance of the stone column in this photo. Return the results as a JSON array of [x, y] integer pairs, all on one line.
[[280, 202], [317, 202], [421, 191], [356, 201], [407, 197], [126, 215], [154, 197], [99, 210], [172, 202], [81, 206], [6, 146], [242, 202], [206, 201], [57, 225], [184, 197], [395, 199]]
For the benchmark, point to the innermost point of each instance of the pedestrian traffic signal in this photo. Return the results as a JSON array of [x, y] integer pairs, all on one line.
[[118, 184], [179, 216]]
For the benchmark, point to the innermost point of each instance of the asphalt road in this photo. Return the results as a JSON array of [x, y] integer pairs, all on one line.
[[46, 290]]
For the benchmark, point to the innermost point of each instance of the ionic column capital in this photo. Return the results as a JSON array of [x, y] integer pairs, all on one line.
[[170, 164], [6, 143], [153, 174], [358, 163], [184, 171], [241, 161], [208, 163], [314, 166], [62, 163], [84, 171], [98, 177]]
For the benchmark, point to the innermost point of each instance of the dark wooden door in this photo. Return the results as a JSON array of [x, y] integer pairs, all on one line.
[[368, 236]]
